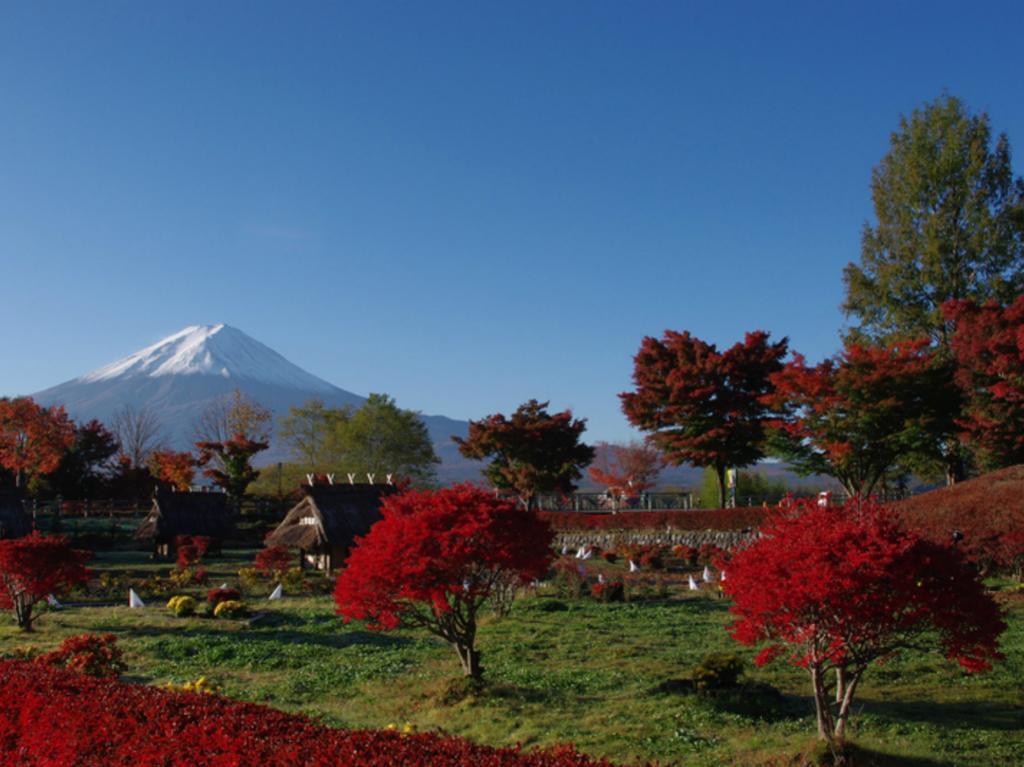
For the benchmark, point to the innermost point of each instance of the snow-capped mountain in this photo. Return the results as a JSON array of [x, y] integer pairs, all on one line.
[[180, 376]]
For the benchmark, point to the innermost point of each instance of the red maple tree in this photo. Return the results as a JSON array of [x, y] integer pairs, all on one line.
[[838, 589], [35, 567], [274, 560], [174, 468], [989, 349], [436, 558], [531, 451], [33, 439], [852, 417], [235, 457], [625, 470], [702, 405]]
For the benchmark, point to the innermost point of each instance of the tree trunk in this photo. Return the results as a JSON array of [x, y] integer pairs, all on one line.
[[821, 704], [23, 613], [720, 473], [845, 704], [470, 660]]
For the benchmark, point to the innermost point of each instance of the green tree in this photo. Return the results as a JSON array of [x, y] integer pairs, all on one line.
[[381, 438], [949, 226], [311, 433]]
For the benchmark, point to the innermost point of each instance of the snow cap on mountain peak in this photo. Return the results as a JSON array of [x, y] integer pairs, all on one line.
[[211, 350]]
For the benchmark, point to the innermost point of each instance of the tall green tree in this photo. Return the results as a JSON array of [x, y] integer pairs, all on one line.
[[311, 433], [949, 226], [381, 438]]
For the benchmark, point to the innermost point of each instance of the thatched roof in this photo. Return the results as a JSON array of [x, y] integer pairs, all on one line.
[[330, 515], [14, 522], [176, 514]]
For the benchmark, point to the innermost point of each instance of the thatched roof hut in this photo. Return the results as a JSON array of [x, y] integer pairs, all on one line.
[[175, 514], [14, 522], [327, 520]]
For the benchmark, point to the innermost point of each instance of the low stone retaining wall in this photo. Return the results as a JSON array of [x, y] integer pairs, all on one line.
[[612, 539]]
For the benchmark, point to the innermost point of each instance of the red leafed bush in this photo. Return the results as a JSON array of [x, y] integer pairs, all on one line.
[[687, 554], [715, 519], [987, 512], [436, 558], [90, 654], [273, 560], [652, 557], [216, 596], [50, 717], [837, 589], [33, 567]]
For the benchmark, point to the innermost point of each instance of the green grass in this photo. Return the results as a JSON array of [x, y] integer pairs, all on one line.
[[591, 674]]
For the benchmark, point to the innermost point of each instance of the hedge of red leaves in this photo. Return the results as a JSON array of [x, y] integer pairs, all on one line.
[[988, 511], [52, 718], [705, 519]]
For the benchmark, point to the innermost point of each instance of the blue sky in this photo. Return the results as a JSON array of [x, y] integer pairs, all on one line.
[[464, 205]]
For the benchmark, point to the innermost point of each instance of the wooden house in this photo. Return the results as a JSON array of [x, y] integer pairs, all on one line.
[[174, 514], [327, 520], [14, 522]]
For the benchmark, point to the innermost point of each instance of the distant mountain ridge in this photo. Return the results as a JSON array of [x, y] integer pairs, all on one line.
[[181, 375]]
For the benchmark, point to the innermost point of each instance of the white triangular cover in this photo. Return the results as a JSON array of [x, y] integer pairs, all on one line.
[[633, 568], [707, 575], [133, 599], [276, 593], [693, 584], [51, 600]]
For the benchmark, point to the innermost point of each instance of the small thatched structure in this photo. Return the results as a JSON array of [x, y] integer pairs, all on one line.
[[14, 522], [327, 520], [175, 514]]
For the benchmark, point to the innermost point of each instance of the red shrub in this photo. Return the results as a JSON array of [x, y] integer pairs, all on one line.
[[273, 560], [652, 557], [216, 596], [89, 654], [50, 717], [715, 519], [33, 567], [610, 557]]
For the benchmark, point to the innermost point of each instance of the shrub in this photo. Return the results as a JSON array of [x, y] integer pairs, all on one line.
[[652, 558], [90, 654], [609, 591], [611, 557], [250, 578], [569, 582], [215, 596], [436, 558], [717, 671], [35, 566], [273, 560], [182, 606], [187, 577], [52, 717], [230, 609], [292, 580]]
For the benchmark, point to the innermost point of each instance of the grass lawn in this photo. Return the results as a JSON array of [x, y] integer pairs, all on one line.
[[558, 671]]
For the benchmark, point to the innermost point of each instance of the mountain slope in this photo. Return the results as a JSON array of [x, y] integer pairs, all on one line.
[[183, 374]]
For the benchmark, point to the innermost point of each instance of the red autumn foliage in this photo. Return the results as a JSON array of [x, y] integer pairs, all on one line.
[[33, 439], [531, 451], [436, 557], [90, 654], [52, 717], [216, 596], [702, 405], [173, 468], [989, 349], [274, 560], [191, 549], [987, 511], [626, 470], [234, 456], [853, 416], [703, 519], [34, 567], [838, 589]]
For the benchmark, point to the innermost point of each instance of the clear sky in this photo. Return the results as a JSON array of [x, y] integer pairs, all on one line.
[[463, 205]]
